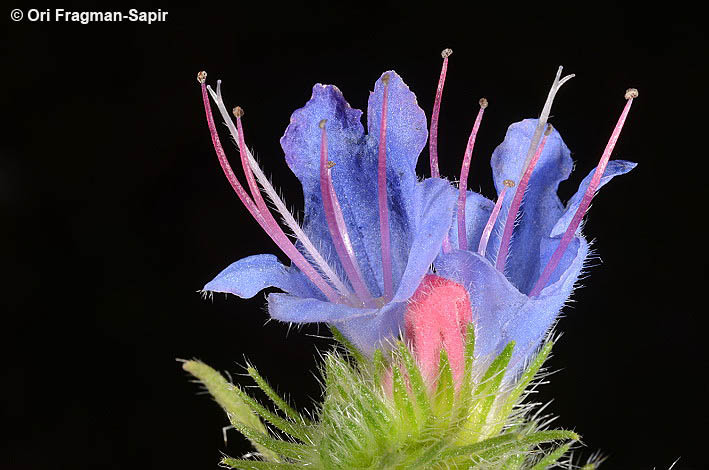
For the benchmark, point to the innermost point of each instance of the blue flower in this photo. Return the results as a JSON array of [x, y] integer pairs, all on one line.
[[370, 230], [518, 283]]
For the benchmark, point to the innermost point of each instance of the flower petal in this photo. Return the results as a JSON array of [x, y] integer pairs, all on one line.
[[406, 132], [248, 276], [434, 200], [541, 207], [301, 140], [500, 312], [614, 168], [367, 329], [355, 173]]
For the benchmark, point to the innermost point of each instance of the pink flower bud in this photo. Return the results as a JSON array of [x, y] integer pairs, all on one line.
[[437, 317]]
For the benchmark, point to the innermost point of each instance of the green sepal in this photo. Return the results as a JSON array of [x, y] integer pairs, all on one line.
[[402, 400], [551, 458], [497, 447], [293, 429], [418, 386], [445, 388], [242, 464], [525, 379], [223, 392], [278, 446], [276, 399], [351, 348], [380, 366], [489, 389]]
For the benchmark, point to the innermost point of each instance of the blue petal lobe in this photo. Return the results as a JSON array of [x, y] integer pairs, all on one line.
[[367, 329], [355, 174], [541, 207], [407, 128], [301, 140], [500, 312], [248, 276], [434, 200], [614, 168]]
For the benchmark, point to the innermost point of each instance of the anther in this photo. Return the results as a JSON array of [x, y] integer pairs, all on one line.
[[385, 79], [238, 112], [202, 76], [631, 93], [547, 132], [445, 53], [509, 183], [483, 103], [330, 163]]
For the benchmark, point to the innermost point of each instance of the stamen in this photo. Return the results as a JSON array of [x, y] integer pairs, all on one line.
[[288, 218], [433, 135], [275, 233], [337, 226], [482, 246], [463, 185], [382, 195], [630, 94], [516, 203]]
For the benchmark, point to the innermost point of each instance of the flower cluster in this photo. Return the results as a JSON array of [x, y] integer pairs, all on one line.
[[442, 297], [374, 237]]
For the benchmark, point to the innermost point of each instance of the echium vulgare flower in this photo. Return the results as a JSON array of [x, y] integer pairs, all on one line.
[[473, 285], [519, 258], [371, 229]]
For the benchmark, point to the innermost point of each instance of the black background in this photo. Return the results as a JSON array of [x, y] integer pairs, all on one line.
[[115, 213]]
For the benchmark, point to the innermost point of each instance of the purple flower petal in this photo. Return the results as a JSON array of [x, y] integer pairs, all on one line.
[[500, 312], [248, 276], [541, 207], [614, 168], [368, 328], [355, 170], [434, 200]]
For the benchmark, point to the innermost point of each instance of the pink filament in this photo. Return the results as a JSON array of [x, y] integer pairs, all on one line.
[[514, 208], [463, 185], [433, 139], [583, 207], [482, 246], [275, 232], [337, 226], [382, 195]]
